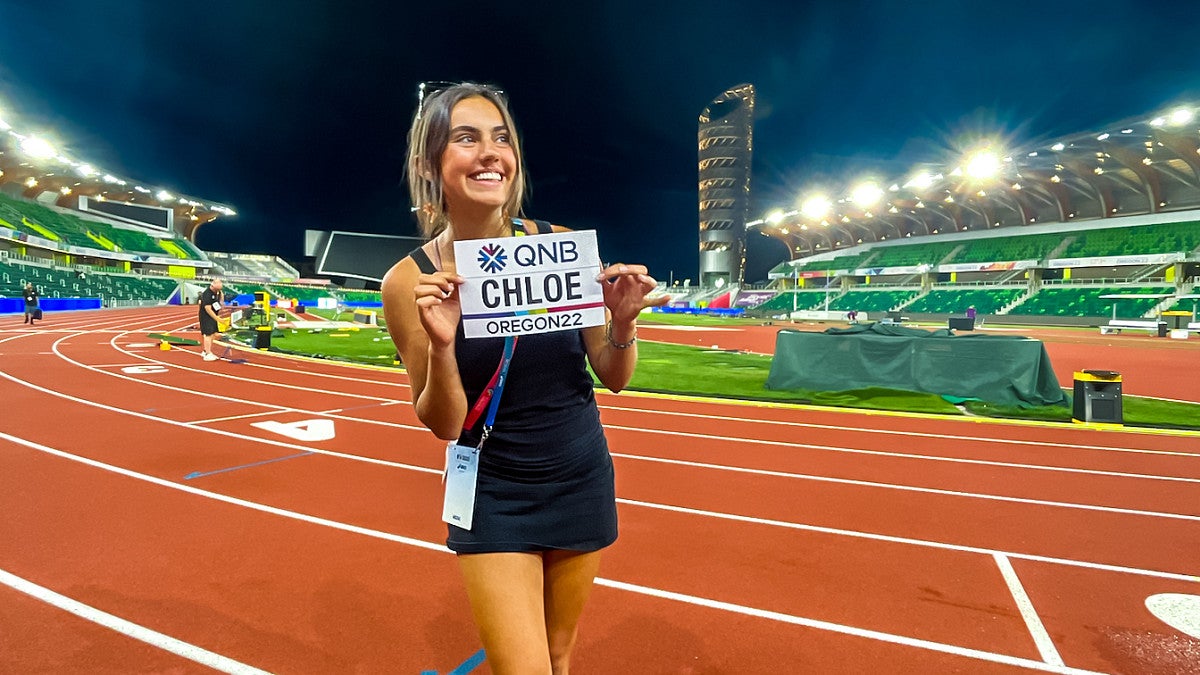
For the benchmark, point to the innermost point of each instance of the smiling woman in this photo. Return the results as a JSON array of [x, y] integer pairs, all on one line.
[[530, 498]]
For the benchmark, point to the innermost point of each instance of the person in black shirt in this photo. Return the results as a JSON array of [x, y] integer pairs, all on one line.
[[210, 301], [31, 303]]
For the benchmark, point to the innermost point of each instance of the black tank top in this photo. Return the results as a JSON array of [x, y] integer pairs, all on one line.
[[548, 398]]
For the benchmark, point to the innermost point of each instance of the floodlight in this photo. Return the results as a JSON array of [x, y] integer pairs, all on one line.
[[815, 207], [920, 181], [85, 170], [867, 194], [65, 190], [1158, 121], [164, 196], [1102, 137], [1180, 116], [141, 189], [982, 164], [31, 182], [37, 147], [775, 216], [1058, 147]]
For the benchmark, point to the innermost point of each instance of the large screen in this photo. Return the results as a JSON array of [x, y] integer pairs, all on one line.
[[154, 216], [363, 256]]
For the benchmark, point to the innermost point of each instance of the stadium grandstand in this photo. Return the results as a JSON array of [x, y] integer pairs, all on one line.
[[1095, 226], [86, 239]]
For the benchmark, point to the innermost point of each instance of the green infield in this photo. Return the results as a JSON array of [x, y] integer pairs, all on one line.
[[695, 371]]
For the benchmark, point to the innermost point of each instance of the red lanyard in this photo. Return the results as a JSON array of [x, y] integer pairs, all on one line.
[[491, 391]]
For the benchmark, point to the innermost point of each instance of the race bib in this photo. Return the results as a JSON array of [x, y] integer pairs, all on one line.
[[462, 472]]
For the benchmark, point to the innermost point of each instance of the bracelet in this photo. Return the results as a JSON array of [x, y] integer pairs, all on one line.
[[619, 345]]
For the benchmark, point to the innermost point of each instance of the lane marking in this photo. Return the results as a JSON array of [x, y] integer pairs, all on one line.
[[842, 629], [873, 484], [896, 432], [241, 378], [925, 543], [198, 474], [127, 628], [219, 432], [1177, 610], [229, 418], [618, 585], [143, 370], [305, 431], [912, 488], [359, 458], [1037, 630], [905, 455]]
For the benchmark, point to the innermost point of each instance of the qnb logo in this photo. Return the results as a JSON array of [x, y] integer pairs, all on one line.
[[492, 258]]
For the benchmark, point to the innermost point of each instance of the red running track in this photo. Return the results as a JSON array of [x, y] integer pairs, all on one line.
[[753, 538]]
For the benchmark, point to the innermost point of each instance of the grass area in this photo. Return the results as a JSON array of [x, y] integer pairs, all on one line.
[[650, 318], [1136, 411], [362, 345], [686, 370]]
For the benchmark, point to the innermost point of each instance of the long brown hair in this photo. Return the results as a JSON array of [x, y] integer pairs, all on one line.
[[427, 140]]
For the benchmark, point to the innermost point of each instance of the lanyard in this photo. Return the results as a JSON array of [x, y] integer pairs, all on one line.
[[490, 397]]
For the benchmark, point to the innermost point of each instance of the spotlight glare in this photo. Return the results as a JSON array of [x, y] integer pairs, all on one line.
[[867, 194], [37, 148], [815, 207], [982, 164], [1180, 116], [774, 217]]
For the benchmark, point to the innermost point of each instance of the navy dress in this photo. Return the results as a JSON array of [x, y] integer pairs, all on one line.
[[545, 474]]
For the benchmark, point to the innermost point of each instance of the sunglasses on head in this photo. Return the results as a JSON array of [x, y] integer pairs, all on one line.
[[431, 87]]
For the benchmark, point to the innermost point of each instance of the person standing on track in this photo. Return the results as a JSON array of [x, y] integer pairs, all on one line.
[[31, 303], [211, 301], [544, 501]]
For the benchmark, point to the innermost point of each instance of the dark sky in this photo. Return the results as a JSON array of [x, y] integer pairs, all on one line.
[[295, 111]]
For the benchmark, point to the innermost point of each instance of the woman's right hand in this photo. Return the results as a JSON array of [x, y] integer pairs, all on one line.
[[438, 306]]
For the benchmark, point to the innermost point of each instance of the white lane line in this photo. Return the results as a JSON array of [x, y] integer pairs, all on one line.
[[220, 432], [633, 588], [242, 378], [235, 417], [843, 629], [224, 397], [127, 628], [906, 455], [828, 448], [721, 467], [1041, 638], [925, 543], [896, 432]]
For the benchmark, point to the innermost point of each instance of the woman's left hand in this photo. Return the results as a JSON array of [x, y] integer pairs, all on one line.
[[625, 290]]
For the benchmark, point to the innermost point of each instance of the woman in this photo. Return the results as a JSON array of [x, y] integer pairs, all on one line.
[[545, 504]]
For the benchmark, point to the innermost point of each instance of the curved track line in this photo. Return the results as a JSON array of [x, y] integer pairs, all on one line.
[[618, 585], [138, 632], [719, 467]]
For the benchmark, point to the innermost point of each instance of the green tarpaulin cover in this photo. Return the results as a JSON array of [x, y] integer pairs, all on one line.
[[1002, 369]]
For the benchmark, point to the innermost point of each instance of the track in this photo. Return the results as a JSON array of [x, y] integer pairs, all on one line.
[[282, 515]]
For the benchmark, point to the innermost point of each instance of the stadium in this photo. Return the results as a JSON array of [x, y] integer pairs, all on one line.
[[276, 511]]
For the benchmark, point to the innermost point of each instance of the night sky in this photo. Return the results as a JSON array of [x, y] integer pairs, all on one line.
[[294, 112]]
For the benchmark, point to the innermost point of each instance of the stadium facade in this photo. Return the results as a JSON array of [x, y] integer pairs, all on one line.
[[726, 147]]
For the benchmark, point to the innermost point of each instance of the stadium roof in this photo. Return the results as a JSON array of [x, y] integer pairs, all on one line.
[[1139, 166], [34, 163]]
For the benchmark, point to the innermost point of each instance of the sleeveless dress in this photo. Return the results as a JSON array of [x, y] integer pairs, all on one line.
[[545, 474]]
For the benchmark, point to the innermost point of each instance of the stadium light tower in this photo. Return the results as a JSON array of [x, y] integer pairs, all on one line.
[[816, 207], [726, 145], [37, 148]]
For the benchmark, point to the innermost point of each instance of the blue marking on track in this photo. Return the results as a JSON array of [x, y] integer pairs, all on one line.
[[201, 474], [464, 667], [469, 665]]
